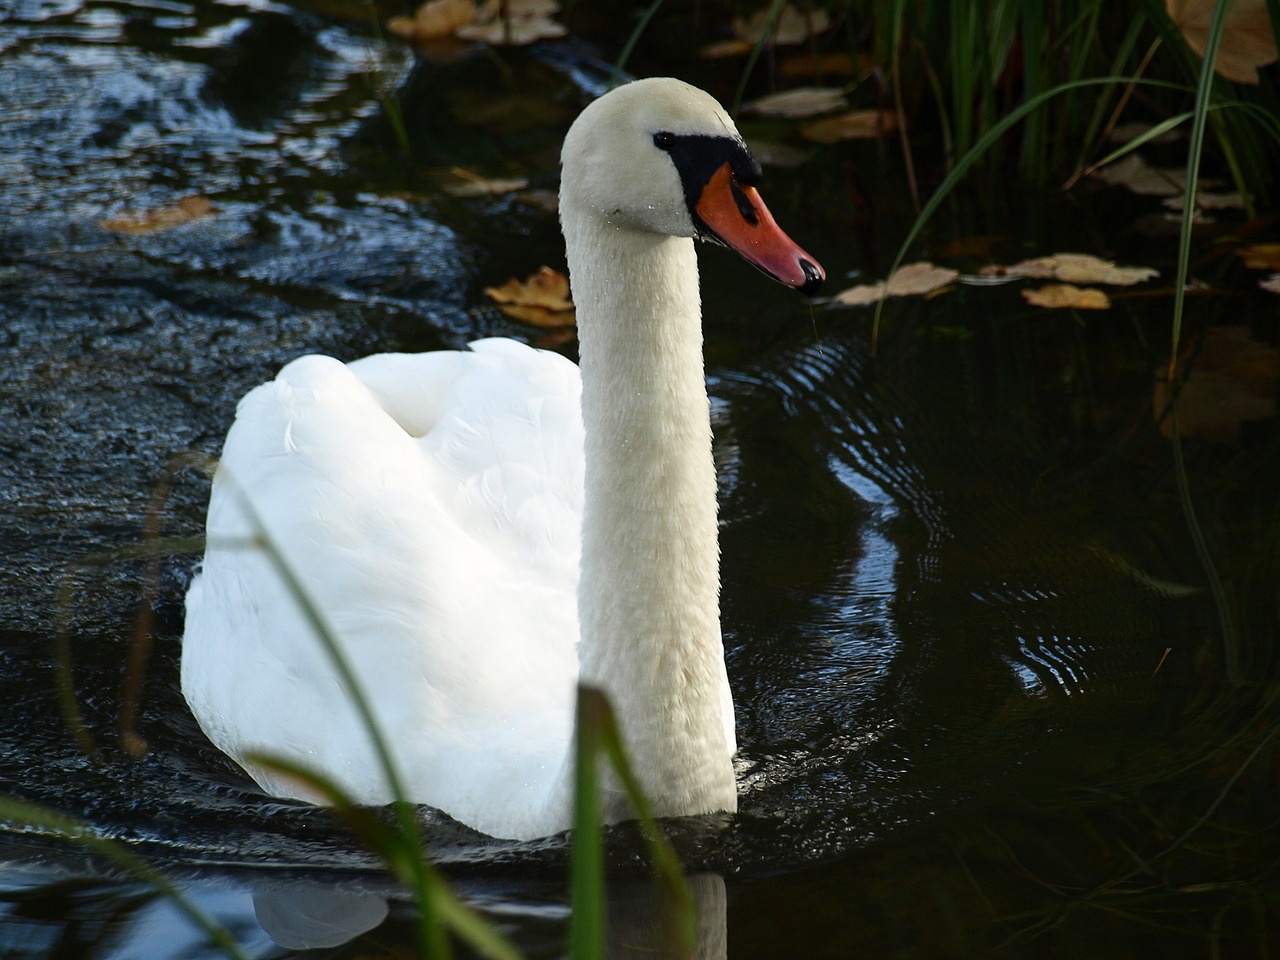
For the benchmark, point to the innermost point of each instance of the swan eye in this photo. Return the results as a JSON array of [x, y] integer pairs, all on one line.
[[663, 140]]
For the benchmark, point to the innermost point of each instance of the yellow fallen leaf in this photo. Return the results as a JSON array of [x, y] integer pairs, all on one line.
[[867, 124], [1233, 379], [920, 277], [914, 278], [1074, 268], [433, 20], [800, 102], [1055, 296], [158, 220], [1248, 40], [1261, 256], [542, 299]]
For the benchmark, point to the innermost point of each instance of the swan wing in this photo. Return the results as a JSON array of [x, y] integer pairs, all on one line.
[[431, 507]]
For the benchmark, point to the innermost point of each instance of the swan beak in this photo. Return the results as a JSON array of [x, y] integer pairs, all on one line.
[[738, 218]]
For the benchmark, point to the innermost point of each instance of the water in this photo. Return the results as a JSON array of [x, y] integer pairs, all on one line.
[[977, 669]]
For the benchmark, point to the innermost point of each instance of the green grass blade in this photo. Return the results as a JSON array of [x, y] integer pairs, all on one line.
[[73, 831], [597, 733], [586, 868], [404, 860], [1195, 149], [433, 939], [620, 64], [775, 11]]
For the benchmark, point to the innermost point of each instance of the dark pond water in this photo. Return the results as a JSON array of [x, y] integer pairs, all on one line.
[[981, 678]]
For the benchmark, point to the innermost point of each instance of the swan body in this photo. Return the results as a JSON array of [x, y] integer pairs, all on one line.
[[482, 530]]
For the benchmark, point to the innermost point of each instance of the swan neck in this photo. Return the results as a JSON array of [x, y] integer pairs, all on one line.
[[649, 590]]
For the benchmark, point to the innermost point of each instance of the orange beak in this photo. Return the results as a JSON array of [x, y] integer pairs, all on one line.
[[738, 218]]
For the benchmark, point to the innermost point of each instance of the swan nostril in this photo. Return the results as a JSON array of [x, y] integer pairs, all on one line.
[[813, 276]]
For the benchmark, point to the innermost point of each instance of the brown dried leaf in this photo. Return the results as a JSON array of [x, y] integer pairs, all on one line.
[[914, 278], [1248, 41], [433, 20], [1074, 268], [541, 300], [1261, 256], [1234, 379], [187, 210], [1055, 296], [867, 124], [800, 102]]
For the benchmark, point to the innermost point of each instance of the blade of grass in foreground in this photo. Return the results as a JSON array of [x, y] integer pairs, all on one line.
[[406, 861], [421, 879], [1204, 90], [1200, 116], [598, 733], [73, 831]]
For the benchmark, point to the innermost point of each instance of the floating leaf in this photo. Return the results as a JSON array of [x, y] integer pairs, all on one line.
[[1056, 296], [867, 124], [1248, 40], [433, 20], [468, 184], [541, 300], [158, 220], [1074, 268], [1137, 175], [800, 102], [914, 278], [1233, 380], [1261, 256], [1271, 284]]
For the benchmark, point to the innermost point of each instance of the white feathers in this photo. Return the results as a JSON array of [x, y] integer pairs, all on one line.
[[433, 506]]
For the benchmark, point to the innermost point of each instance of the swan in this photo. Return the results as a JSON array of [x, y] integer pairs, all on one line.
[[484, 529]]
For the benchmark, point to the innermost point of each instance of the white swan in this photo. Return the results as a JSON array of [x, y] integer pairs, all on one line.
[[484, 529]]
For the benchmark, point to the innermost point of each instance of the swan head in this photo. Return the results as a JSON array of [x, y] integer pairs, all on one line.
[[662, 156]]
